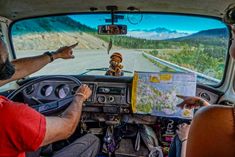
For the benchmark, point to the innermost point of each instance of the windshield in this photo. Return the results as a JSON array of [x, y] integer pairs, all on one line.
[[153, 43]]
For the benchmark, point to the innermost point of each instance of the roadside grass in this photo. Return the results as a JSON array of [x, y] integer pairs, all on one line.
[[162, 67]]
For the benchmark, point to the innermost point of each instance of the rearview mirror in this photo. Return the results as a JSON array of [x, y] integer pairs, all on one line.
[[112, 29]]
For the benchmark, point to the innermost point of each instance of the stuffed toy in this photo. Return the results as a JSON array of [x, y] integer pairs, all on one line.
[[115, 68]]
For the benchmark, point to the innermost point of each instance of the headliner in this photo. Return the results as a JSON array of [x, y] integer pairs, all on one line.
[[17, 9]]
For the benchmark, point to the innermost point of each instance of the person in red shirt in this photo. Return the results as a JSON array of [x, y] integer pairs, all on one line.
[[23, 129]]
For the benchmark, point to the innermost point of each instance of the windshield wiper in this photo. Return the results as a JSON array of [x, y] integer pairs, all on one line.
[[101, 69]]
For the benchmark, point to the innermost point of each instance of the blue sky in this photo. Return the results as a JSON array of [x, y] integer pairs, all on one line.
[[180, 23]]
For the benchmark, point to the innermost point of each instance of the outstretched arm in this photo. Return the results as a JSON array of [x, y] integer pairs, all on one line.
[[29, 65], [192, 102]]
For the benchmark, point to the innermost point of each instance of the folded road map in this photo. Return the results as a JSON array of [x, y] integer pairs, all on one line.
[[155, 93]]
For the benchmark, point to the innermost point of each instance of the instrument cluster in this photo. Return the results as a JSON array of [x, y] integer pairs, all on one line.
[[106, 96], [51, 90]]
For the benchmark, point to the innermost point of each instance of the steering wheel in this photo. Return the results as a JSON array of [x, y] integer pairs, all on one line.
[[53, 106]]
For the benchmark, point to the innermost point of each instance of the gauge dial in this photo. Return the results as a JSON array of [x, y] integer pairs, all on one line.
[[46, 90], [62, 91]]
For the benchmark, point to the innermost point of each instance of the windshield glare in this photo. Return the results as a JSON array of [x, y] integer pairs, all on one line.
[[153, 43]]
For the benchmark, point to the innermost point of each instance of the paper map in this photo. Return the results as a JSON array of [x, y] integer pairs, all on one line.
[[155, 93]]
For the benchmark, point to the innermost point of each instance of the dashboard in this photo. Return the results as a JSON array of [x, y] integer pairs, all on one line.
[[109, 95]]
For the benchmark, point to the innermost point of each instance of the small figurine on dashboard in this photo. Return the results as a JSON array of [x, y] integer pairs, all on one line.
[[115, 68]]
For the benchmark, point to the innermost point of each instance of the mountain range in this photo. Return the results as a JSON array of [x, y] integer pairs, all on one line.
[[212, 33], [158, 33]]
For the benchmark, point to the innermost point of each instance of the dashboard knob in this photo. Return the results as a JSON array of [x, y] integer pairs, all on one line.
[[101, 99], [111, 99]]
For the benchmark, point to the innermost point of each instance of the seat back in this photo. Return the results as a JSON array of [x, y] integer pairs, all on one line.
[[212, 133]]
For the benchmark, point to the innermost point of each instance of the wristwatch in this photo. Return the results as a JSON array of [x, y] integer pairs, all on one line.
[[50, 55]]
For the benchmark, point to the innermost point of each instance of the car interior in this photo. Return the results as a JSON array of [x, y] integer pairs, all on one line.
[[120, 43]]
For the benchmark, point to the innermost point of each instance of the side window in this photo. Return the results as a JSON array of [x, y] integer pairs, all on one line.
[[1, 34]]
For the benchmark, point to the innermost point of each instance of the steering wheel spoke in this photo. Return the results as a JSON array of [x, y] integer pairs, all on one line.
[[54, 106]]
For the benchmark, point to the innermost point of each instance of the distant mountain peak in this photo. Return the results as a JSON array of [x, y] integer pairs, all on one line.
[[162, 30], [211, 33], [159, 33]]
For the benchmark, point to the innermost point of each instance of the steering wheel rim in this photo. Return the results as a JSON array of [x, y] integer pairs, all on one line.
[[44, 108]]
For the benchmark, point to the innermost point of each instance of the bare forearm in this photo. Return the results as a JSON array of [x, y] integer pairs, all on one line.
[[59, 128], [27, 66], [183, 149], [73, 112]]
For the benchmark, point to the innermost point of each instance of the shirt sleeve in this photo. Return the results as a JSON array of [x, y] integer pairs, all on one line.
[[30, 127]]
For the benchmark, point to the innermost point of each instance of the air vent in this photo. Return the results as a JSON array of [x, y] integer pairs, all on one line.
[[226, 102], [205, 96]]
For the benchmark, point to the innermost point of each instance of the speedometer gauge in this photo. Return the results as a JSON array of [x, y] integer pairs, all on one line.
[[46, 90], [62, 91]]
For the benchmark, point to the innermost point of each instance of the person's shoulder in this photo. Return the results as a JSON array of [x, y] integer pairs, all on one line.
[[11, 107], [3, 98], [215, 113]]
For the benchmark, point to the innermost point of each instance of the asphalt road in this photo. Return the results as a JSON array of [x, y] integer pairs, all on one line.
[[85, 59]]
